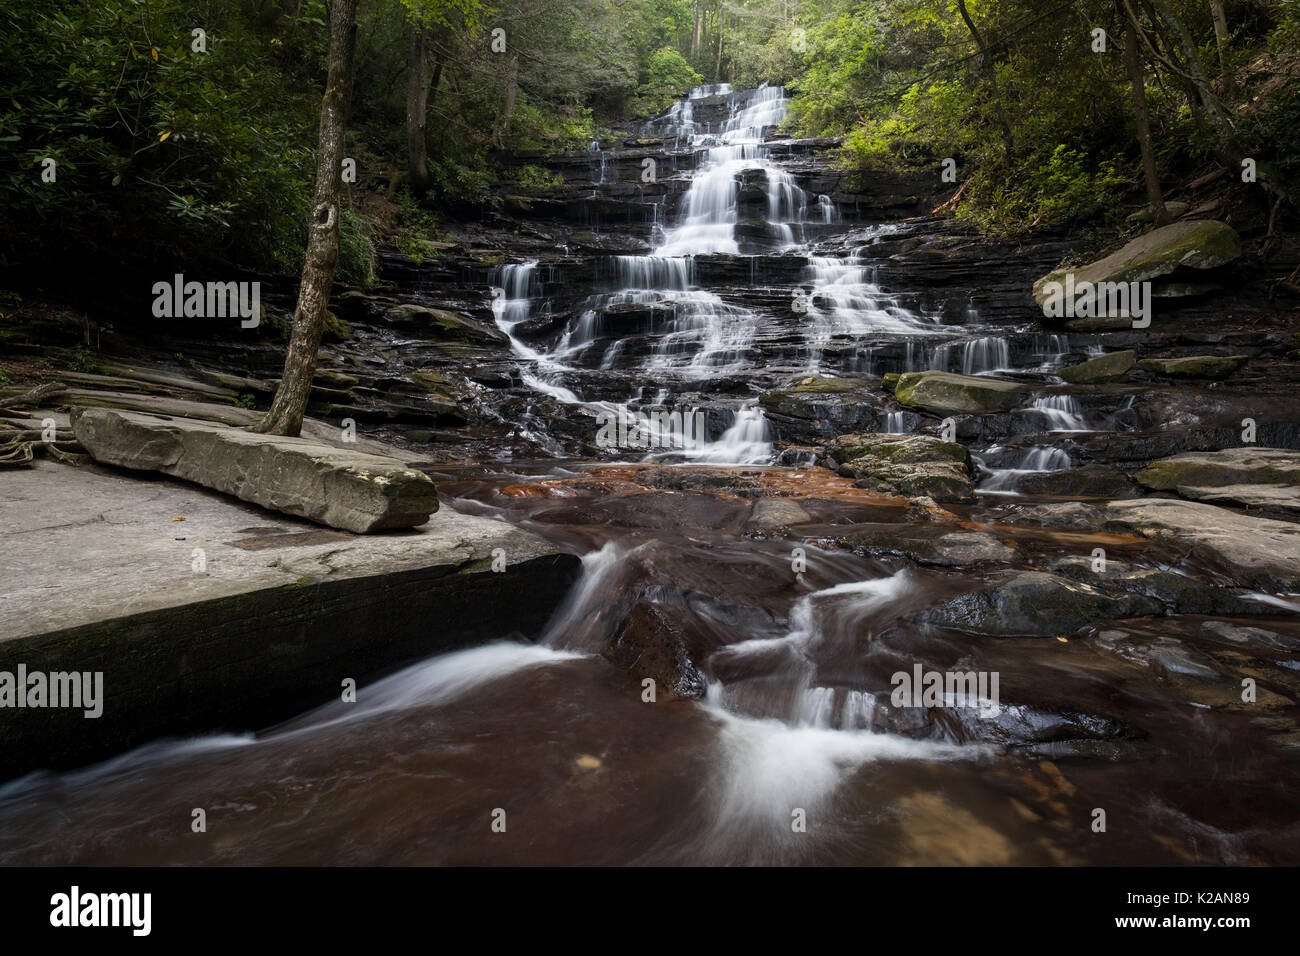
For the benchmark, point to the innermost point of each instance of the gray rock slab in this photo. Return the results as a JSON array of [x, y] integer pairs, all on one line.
[[352, 490]]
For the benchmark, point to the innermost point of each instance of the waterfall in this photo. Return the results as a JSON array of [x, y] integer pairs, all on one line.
[[1062, 412]]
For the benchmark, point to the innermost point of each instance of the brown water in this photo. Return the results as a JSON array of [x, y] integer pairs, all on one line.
[[795, 723]]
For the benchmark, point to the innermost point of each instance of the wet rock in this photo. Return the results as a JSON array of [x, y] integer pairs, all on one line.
[[1178, 593], [655, 641], [1252, 639], [1104, 368], [910, 465], [777, 513], [932, 547], [828, 407], [1088, 481], [1035, 604], [1247, 550], [1164, 655], [341, 488], [946, 393], [1197, 366], [1198, 244]]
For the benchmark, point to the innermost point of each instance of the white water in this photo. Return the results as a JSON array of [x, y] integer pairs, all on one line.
[[1036, 460], [1061, 412]]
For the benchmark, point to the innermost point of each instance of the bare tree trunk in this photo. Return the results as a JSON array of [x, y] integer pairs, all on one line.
[[1221, 41], [990, 73], [290, 402], [1137, 83], [512, 90], [717, 67], [417, 109]]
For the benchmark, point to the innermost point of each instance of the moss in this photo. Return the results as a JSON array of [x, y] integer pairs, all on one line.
[[336, 330], [830, 385], [943, 393], [1101, 369]]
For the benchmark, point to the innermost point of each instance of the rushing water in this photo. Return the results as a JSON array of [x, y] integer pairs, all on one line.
[[784, 744]]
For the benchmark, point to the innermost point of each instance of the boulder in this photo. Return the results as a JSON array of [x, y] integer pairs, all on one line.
[[946, 393], [1036, 604], [334, 486], [910, 465], [1197, 244], [1195, 366], [1103, 368]]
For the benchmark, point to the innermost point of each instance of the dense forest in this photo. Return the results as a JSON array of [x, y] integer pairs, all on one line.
[[188, 129]]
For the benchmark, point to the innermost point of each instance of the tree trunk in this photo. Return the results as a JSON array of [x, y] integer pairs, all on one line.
[[417, 110], [512, 90], [990, 72], [717, 67], [1221, 41], [1137, 82], [290, 402]]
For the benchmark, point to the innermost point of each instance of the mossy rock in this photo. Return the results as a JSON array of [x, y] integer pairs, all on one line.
[[829, 385], [910, 465], [1216, 469], [890, 380], [1196, 244], [335, 330], [1103, 368], [946, 393], [443, 326], [1195, 366]]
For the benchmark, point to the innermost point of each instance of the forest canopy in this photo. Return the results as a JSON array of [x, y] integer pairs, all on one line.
[[188, 129]]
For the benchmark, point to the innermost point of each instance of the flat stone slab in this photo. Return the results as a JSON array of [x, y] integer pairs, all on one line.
[[352, 490], [1231, 466], [1195, 366], [1279, 499], [204, 612], [1255, 552]]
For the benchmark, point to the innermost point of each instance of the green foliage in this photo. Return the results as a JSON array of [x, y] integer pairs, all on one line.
[[156, 145], [357, 255], [667, 77], [537, 177], [248, 401]]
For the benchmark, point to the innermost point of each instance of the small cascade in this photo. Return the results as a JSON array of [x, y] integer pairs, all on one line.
[[981, 356], [1035, 460], [747, 442], [1062, 412]]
